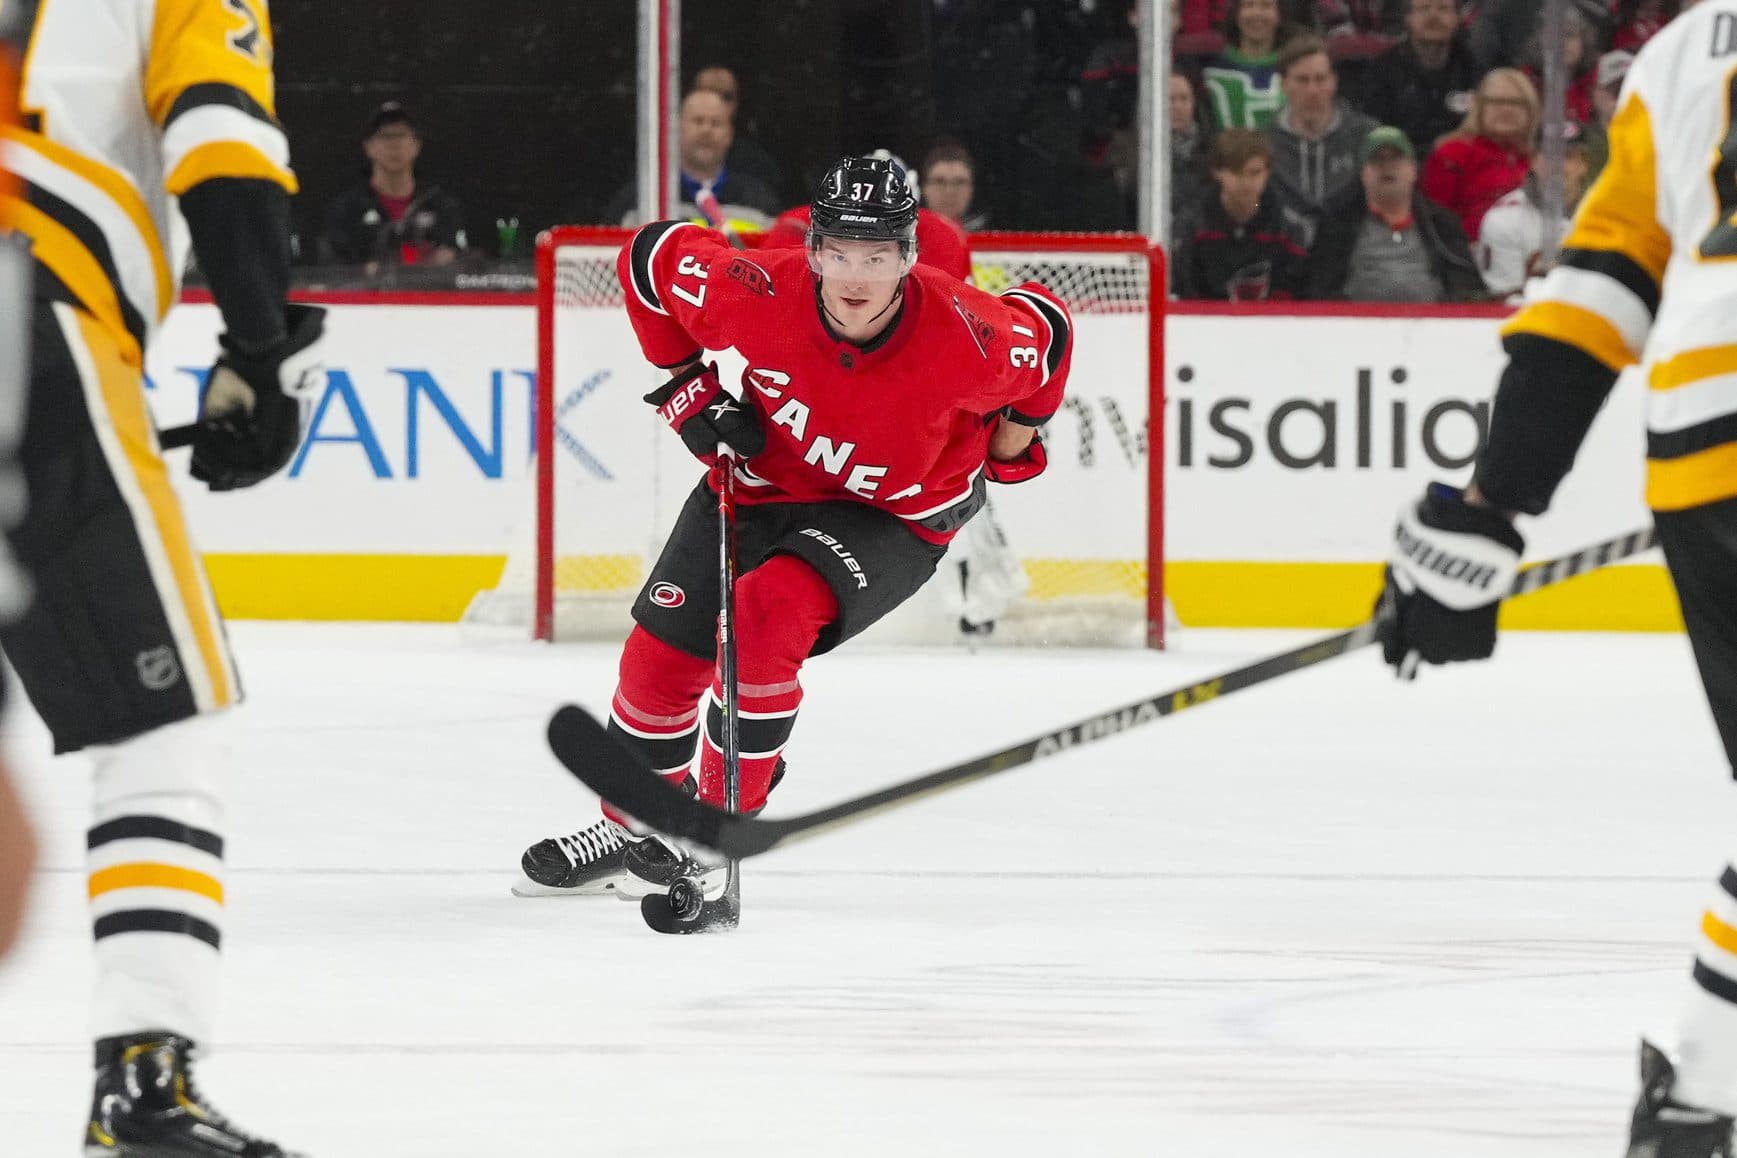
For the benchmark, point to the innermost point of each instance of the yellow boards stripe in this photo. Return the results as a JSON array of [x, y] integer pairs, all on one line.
[[1706, 476], [123, 398], [150, 875]]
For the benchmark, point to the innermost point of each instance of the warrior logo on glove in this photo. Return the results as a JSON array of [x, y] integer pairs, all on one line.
[[1452, 563]]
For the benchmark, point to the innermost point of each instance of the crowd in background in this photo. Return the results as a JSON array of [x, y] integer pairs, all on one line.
[[1323, 149], [1384, 150]]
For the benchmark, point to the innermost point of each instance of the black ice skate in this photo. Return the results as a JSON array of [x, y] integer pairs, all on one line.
[[1664, 1128], [654, 864], [146, 1106], [586, 864]]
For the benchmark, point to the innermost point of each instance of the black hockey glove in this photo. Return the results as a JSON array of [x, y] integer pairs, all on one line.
[[697, 407], [1452, 563], [250, 420]]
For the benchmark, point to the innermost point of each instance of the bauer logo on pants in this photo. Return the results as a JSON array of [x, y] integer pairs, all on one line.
[[844, 556], [159, 670], [668, 595]]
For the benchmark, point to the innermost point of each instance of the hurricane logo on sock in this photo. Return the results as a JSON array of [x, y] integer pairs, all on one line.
[[668, 595]]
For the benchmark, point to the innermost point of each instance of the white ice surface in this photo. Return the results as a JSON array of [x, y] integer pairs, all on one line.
[[1331, 916]]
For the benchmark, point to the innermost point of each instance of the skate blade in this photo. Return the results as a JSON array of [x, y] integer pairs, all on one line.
[[712, 883], [526, 887]]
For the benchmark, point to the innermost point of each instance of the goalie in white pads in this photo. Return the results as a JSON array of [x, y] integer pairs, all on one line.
[[1648, 274]]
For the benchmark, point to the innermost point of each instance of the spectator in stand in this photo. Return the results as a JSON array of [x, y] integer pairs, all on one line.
[[1240, 244], [1242, 82], [1579, 57], [1329, 17], [1189, 176], [1108, 86], [1488, 156], [1111, 79], [393, 218], [1357, 32], [1612, 69], [941, 243], [949, 180], [747, 156], [1511, 246], [1338, 18], [1383, 241], [711, 194], [1315, 139], [1424, 83], [1502, 29], [1634, 21]]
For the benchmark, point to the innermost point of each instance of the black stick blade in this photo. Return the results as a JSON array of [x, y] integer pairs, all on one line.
[[581, 742]]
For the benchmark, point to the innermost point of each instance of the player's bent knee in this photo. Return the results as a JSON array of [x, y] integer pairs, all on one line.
[[781, 607]]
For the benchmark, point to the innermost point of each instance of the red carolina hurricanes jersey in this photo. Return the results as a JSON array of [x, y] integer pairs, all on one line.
[[901, 423], [940, 241]]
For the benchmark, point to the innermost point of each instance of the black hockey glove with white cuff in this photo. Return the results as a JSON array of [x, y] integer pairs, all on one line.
[[1451, 566], [697, 407], [250, 419]]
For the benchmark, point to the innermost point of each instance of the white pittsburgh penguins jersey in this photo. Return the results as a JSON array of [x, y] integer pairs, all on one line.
[[127, 104], [1649, 270]]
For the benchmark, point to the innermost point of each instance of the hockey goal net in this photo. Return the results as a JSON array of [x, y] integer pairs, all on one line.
[[1084, 544]]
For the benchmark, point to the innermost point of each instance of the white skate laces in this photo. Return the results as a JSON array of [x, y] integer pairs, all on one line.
[[592, 844]]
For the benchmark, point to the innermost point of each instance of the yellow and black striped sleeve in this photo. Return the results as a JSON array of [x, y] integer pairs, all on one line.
[[1589, 321], [208, 85]]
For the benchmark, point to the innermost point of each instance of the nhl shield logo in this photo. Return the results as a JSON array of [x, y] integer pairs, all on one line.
[[668, 595], [159, 668]]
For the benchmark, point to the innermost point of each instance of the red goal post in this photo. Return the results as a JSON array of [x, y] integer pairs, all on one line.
[[1109, 570]]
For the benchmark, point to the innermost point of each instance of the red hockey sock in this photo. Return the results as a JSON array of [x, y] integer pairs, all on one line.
[[656, 710], [781, 607]]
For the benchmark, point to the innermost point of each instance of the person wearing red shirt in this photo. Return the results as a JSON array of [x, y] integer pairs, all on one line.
[[1489, 155], [1579, 58], [394, 218], [1633, 22], [879, 397]]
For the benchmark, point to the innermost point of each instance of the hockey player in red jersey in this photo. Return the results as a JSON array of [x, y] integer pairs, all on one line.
[[879, 397]]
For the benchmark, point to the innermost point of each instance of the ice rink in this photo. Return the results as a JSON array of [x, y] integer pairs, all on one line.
[[1330, 916]]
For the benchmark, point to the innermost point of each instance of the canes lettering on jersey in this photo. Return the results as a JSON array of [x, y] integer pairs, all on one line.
[[878, 423]]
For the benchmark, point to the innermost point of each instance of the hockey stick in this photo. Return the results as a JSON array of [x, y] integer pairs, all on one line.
[[177, 436], [686, 909], [580, 742]]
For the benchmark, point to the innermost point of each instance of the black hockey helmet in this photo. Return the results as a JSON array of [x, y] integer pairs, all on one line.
[[865, 199]]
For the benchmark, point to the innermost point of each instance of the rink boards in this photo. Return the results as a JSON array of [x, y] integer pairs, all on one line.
[[1289, 441]]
